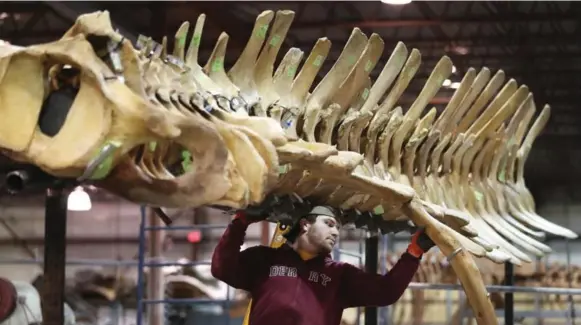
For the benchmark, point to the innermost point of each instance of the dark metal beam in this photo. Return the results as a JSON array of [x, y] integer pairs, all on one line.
[[55, 232], [73, 9], [26, 28], [222, 18], [561, 78], [371, 266], [556, 142], [513, 18], [411, 42], [158, 22], [22, 6], [426, 10], [472, 42]]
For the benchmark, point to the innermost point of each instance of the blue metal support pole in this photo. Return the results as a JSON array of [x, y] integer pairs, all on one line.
[[385, 317], [141, 267], [55, 234], [371, 262], [227, 303], [361, 263], [337, 250], [571, 317], [187, 227], [508, 296]]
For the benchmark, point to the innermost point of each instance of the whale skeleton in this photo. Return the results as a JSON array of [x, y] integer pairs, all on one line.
[[155, 126]]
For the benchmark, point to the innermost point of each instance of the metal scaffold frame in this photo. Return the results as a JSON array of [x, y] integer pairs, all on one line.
[[374, 248], [142, 264], [373, 252]]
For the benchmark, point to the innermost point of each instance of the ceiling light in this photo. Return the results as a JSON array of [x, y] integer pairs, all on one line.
[[79, 200], [396, 2], [455, 85], [447, 83], [457, 49]]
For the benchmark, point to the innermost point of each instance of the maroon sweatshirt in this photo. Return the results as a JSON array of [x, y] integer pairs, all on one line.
[[286, 290]]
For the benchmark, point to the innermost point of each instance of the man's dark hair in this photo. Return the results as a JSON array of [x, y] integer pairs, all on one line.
[[295, 230], [311, 217]]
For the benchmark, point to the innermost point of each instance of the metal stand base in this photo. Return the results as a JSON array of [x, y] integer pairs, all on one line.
[[30, 179], [508, 296], [371, 264], [55, 246]]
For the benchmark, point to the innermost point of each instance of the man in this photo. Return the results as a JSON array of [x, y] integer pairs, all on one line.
[[299, 283]]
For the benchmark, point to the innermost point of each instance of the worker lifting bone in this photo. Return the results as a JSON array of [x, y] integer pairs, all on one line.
[[317, 289]]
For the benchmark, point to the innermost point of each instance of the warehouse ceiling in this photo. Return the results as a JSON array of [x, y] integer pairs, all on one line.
[[536, 43]]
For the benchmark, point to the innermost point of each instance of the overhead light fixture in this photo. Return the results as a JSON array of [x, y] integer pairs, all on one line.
[[79, 200], [454, 69], [447, 83], [396, 2], [455, 85]]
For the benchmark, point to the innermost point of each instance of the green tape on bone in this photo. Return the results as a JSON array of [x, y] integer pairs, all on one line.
[[378, 210], [196, 39], [186, 161], [368, 66], [218, 64], [318, 61], [291, 71], [274, 40], [365, 93], [262, 31], [351, 60], [152, 146], [479, 196], [283, 169], [181, 41], [502, 175], [104, 168]]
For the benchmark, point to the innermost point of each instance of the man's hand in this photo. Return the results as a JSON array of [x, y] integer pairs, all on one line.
[[420, 244]]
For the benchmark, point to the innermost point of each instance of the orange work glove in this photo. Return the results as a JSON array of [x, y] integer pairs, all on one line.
[[420, 243]]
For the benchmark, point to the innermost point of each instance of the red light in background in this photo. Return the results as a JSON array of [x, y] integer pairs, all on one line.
[[194, 236]]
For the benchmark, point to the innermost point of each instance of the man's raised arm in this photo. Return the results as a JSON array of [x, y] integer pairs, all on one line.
[[362, 288], [232, 266]]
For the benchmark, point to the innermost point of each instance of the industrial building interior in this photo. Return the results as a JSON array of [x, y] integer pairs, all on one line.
[[108, 246]]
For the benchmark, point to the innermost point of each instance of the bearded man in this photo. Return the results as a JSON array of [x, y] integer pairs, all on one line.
[[299, 283]]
